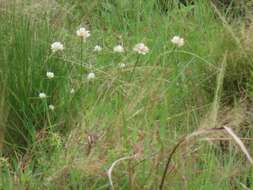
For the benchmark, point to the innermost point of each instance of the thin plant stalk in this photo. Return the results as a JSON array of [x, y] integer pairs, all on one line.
[[134, 68], [81, 56]]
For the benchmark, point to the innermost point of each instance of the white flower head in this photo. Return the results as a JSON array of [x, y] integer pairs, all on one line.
[[178, 41], [57, 46], [72, 91], [119, 49], [42, 95], [122, 65], [50, 75], [83, 33], [51, 107], [97, 48], [91, 76], [141, 48]]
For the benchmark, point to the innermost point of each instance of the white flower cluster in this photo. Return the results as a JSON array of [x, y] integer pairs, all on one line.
[[51, 107], [141, 48], [57, 46], [91, 76], [178, 41], [42, 95], [50, 75], [72, 91], [83, 33], [97, 48], [119, 49], [122, 65]]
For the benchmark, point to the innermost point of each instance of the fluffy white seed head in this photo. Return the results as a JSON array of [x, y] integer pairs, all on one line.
[[42, 95], [91, 76], [97, 48], [119, 49], [57, 46], [50, 75], [178, 41], [83, 33], [51, 107], [141, 48]]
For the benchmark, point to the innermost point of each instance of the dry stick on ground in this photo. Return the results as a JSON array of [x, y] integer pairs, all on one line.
[[202, 132]]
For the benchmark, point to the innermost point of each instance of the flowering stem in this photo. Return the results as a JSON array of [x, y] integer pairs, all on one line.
[[48, 117], [81, 56], [135, 65], [48, 58], [173, 52], [178, 67]]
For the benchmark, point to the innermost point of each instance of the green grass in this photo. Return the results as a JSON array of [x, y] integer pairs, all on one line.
[[171, 93]]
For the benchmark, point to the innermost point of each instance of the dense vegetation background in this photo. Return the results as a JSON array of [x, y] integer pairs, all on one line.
[[174, 118]]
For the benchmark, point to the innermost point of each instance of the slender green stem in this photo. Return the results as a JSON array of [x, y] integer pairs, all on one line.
[[134, 68], [81, 57], [173, 52], [48, 116]]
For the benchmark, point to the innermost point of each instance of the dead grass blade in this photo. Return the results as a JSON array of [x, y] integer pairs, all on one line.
[[109, 172], [183, 140], [198, 133]]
